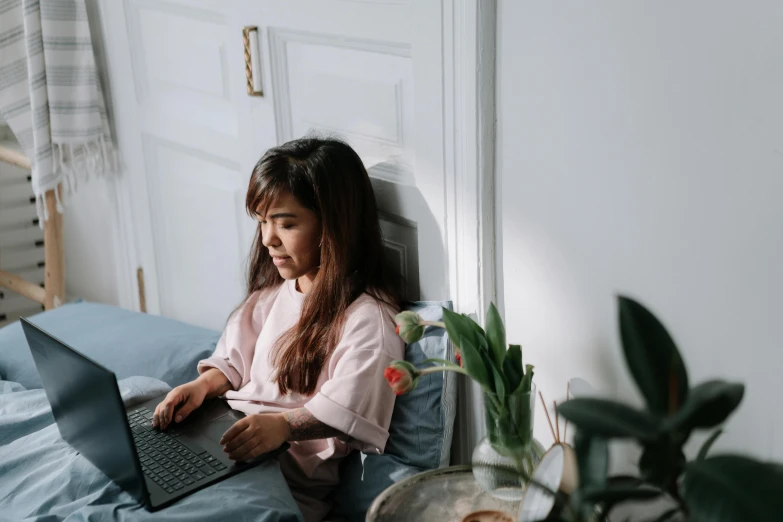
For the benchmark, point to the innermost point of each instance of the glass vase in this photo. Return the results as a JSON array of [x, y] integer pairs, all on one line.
[[504, 460]]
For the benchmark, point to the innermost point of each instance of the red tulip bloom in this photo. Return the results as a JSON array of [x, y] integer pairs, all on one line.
[[402, 376]]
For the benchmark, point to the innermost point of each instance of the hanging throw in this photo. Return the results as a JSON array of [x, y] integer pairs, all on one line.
[[50, 94]]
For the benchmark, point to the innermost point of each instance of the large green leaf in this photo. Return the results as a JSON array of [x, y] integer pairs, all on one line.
[[512, 367], [732, 488], [496, 335], [668, 514], [458, 327], [610, 419], [522, 407], [527, 379], [613, 496], [474, 364], [708, 405], [662, 461], [652, 358], [592, 457], [617, 494], [592, 460], [705, 448], [497, 379], [480, 337]]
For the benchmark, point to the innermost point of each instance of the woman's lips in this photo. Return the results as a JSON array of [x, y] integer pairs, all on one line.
[[278, 261]]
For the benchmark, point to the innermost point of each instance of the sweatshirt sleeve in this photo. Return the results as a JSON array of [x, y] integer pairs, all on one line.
[[356, 399], [234, 351]]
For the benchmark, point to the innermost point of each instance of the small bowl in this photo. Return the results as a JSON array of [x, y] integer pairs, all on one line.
[[488, 516]]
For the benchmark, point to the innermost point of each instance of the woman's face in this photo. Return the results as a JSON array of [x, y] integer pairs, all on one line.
[[291, 233]]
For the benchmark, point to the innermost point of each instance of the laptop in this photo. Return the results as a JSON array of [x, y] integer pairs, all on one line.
[[156, 467]]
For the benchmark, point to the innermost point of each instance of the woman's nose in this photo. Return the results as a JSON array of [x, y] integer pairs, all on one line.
[[269, 238]]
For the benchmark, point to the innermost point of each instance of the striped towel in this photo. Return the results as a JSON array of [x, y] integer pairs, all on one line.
[[50, 93]]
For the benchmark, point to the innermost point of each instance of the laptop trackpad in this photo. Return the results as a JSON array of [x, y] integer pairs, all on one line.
[[210, 410], [210, 421], [214, 430]]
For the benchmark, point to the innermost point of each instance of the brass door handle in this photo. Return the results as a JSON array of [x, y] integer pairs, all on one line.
[[250, 41]]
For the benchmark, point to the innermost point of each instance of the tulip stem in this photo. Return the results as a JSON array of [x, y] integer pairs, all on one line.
[[443, 362], [439, 324], [450, 367]]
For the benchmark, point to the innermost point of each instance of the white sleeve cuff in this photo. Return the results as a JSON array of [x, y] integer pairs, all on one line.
[[372, 436], [221, 364]]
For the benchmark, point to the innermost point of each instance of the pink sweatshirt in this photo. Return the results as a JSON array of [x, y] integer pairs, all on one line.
[[351, 394]]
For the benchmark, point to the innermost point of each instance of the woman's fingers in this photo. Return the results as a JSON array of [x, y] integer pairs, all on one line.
[[238, 440], [184, 410], [167, 413], [238, 427], [250, 449], [156, 416], [163, 412]]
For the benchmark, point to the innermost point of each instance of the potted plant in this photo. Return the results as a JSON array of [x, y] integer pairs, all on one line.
[[504, 459], [723, 488]]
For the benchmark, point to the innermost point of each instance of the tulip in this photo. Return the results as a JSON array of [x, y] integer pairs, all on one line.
[[410, 326], [402, 376]]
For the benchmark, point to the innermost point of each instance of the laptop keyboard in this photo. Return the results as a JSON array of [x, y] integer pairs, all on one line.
[[169, 463]]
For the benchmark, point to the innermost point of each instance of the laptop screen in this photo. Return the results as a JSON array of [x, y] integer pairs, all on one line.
[[87, 407]]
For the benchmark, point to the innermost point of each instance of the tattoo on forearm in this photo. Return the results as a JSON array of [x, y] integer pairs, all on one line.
[[304, 426]]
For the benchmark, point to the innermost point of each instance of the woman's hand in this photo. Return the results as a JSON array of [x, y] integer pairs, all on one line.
[[255, 435], [179, 403]]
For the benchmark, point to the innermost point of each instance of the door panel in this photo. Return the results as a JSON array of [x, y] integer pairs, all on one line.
[[358, 89], [197, 210]]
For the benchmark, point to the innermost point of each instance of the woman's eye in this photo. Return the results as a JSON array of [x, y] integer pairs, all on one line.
[[286, 227]]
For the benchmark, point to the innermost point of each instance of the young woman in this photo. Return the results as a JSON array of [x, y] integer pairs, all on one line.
[[304, 355]]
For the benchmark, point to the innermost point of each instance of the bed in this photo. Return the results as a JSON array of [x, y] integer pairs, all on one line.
[[44, 479]]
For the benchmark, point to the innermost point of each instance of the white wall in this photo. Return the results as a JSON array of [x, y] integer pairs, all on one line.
[[90, 265], [640, 150]]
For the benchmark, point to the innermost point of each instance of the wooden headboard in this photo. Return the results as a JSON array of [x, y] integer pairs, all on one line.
[[52, 294]]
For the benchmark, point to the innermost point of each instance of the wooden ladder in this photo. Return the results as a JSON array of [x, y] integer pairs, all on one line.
[[52, 294]]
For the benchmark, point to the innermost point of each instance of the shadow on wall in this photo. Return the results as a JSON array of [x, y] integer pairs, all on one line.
[[412, 237]]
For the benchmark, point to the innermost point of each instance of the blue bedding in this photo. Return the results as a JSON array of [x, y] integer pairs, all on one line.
[[43, 479]]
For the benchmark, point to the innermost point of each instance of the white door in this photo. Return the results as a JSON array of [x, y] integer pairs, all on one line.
[[406, 82], [369, 71]]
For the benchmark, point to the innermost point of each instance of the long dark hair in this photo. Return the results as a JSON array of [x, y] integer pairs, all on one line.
[[327, 177]]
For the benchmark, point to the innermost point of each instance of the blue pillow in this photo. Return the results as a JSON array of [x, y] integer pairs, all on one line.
[[420, 431], [127, 343]]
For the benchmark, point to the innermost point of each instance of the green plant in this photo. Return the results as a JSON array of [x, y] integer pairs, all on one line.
[[730, 488], [484, 356]]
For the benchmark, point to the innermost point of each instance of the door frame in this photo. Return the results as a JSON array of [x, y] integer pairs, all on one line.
[[468, 40], [469, 52]]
